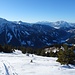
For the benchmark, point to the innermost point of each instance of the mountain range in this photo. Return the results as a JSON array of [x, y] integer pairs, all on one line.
[[40, 34]]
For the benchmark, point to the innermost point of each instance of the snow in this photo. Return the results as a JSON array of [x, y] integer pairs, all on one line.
[[57, 27], [55, 50], [54, 41], [21, 22], [46, 38], [29, 42], [48, 43], [3, 21], [23, 43], [19, 64], [32, 44], [10, 37], [27, 33], [62, 41], [67, 39]]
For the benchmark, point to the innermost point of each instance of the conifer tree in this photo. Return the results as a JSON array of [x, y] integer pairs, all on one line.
[[43, 53], [1, 48], [66, 56]]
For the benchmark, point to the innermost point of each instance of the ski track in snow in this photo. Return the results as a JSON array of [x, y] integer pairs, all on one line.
[[8, 68], [7, 72]]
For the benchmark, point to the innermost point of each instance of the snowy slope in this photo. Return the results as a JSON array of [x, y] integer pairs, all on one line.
[[19, 64]]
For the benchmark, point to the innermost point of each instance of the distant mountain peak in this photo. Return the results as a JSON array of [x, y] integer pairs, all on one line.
[[2, 20], [61, 22]]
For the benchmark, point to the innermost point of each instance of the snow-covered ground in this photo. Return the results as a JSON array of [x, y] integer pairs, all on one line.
[[19, 64]]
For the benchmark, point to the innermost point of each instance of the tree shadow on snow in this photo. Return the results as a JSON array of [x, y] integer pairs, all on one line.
[[68, 66]]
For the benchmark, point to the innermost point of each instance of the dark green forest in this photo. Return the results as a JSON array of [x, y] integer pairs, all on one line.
[[65, 55]]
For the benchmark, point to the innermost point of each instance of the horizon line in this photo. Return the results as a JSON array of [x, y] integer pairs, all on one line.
[[37, 21]]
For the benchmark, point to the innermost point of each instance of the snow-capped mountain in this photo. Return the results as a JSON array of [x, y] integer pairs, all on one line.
[[23, 23], [20, 33], [58, 24]]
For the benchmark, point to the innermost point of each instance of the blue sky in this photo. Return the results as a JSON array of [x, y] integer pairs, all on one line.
[[38, 10]]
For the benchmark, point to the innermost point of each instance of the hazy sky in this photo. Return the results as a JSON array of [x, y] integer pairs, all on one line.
[[38, 10]]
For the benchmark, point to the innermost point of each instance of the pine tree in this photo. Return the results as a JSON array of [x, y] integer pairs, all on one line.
[[7, 49], [51, 54], [43, 53], [1, 48], [48, 54], [66, 56]]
